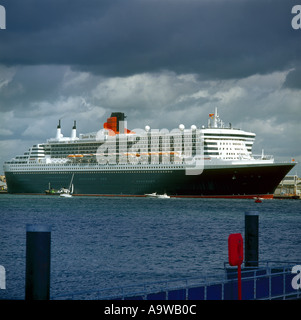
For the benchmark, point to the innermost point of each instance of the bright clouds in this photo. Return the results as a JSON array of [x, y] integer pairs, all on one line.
[[258, 103]]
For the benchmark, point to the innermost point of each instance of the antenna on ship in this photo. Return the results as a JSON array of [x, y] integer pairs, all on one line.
[[216, 118]]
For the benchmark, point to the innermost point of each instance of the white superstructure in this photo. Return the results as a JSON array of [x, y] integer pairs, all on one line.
[[216, 144]]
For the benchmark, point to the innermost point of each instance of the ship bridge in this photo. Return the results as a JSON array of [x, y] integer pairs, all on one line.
[[226, 143]]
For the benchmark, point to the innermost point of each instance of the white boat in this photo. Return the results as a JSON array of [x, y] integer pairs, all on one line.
[[155, 195], [163, 196], [67, 193], [151, 195]]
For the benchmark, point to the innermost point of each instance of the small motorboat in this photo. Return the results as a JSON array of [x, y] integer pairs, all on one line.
[[66, 195], [158, 196], [258, 200], [151, 195], [52, 192], [163, 196]]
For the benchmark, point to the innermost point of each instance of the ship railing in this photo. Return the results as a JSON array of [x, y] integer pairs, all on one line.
[[269, 281], [263, 157]]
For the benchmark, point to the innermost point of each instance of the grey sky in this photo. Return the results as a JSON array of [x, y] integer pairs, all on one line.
[[162, 62]]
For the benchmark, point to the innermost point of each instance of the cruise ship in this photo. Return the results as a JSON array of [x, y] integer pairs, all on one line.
[[212, 160]]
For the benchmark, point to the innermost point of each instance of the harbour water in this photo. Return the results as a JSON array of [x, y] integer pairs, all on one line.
[[104, 242]]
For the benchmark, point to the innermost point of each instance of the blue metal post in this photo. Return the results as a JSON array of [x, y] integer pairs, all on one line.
[[38, 238], [251, 238]]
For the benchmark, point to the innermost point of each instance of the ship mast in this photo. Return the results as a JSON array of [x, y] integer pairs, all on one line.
[[216, 118]]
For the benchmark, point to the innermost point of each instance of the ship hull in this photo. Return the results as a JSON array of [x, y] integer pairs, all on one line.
[[246, 181]]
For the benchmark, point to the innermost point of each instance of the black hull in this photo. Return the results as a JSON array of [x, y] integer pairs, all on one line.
[[236, 182]]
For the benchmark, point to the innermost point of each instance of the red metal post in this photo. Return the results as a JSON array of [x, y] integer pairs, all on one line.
[[235, 250]]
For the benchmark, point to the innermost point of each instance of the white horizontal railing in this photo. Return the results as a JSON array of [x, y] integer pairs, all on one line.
[[263, 157]]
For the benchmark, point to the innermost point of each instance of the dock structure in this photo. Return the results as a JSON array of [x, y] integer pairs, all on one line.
[[268, 281], [254, 280], [289, 188]]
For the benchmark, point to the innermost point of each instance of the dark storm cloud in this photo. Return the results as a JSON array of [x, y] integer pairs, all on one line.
[[218, 39], [30, 84]]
